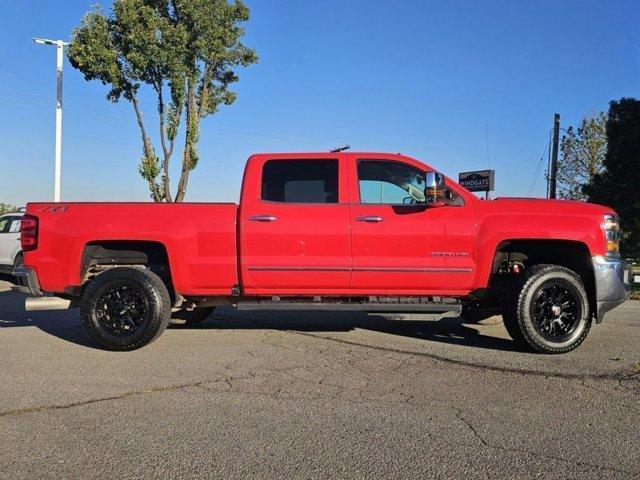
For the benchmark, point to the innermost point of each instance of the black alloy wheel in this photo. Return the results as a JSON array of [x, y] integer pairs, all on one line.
[[122, 309], [556, 310], [547, 309], [125, 308]]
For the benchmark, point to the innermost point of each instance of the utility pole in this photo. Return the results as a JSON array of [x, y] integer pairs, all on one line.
[[486, 124], [59, 44], [553, 173]]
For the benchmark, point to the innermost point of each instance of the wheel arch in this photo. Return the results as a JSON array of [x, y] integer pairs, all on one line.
[[100, 255], [17, 254], [571, 254]]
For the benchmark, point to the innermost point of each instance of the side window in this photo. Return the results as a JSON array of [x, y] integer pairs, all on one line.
[[15, 226], [300, 181], [390, 182], [4, 224]]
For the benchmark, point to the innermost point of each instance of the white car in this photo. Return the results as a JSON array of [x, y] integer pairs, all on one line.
[[10, 251]]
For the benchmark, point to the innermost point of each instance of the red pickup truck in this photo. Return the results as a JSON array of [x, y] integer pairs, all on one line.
[[356, 231]]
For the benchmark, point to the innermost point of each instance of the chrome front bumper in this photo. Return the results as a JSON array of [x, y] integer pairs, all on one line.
[[27, 281], [613, 277]]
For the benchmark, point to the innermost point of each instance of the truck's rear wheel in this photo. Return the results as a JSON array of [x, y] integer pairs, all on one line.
[[548, 310], [188, 318], [125, 308]]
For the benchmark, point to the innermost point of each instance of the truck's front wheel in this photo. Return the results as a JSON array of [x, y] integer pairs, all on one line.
[[548, 310], [125, 308]]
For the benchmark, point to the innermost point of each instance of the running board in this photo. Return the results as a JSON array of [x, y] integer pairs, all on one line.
[[350, 307]]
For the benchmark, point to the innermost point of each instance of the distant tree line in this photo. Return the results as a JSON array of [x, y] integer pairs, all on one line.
[[6, 208]]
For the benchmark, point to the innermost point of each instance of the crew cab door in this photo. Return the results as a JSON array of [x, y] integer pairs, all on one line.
[[401, 245], [294, 232]]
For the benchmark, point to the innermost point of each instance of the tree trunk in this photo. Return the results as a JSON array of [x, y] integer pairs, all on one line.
[[192, 122], [148, 149], [166, 185]]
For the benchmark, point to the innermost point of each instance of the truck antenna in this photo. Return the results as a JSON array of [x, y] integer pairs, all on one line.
[[340, 149]]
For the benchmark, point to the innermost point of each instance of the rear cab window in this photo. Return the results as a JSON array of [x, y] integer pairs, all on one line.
[[300, 181]]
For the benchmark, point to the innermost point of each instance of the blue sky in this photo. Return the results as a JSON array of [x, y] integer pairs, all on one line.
[[416, 77]]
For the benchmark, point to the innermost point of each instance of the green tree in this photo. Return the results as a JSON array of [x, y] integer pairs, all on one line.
[[187, 51], [6, 208], [617, 185], [582, 156]]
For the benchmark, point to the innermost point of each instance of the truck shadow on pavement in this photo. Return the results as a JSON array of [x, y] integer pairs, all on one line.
[[63, 324], [66, 325], [448, 329]]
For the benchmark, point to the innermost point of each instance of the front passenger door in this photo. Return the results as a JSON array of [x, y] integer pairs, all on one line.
[[401, 246]]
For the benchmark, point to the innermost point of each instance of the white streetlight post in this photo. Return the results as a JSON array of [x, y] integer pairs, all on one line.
[[58, 148]]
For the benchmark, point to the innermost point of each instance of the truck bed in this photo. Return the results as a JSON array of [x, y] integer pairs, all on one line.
[[199, 238]]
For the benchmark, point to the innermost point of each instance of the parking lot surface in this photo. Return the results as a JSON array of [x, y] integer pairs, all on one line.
[[316, 395]]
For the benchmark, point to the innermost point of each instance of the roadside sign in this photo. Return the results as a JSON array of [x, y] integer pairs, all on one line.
[[478, 181]]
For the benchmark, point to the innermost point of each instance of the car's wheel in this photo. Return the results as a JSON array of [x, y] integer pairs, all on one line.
[[18, 261], [548, 310], [125, 308], [188, 318]]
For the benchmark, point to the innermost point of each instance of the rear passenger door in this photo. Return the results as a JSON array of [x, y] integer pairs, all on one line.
[[295, 238]]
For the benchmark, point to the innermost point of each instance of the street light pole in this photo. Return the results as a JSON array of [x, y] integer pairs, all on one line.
[[59, 44]]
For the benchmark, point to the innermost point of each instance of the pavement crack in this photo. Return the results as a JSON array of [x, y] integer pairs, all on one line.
[[618, 376], [128, 394], [577, 463], [122, 396], [472, 428]]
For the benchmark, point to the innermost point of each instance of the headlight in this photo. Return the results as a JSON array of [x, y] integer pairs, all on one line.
[[611, 227]]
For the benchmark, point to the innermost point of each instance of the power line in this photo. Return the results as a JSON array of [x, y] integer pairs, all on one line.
[[486, 124], [538, 169], [114, 113]]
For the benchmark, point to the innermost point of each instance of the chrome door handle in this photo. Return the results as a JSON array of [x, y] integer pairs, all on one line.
[[370, 219], [262, 218]]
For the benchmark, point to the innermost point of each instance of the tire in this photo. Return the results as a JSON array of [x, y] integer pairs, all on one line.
[[188, 318], [548, 310], [140, 294]]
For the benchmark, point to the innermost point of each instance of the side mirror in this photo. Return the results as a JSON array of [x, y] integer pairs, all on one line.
[[435, 189]]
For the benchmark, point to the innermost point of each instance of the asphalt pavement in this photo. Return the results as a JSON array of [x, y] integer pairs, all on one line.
[[316, 395]]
